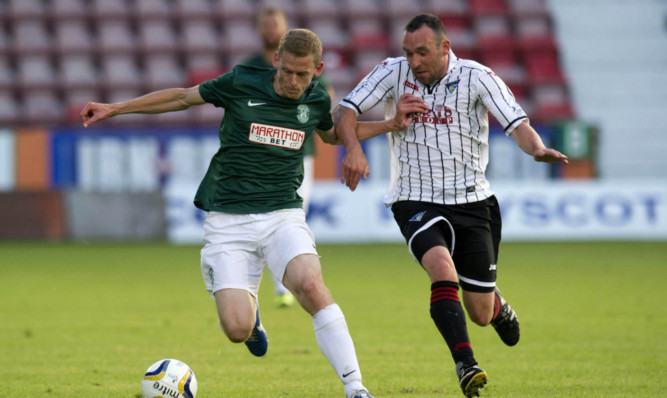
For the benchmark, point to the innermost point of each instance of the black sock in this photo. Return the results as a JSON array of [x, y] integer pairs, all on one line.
[[449, 317]]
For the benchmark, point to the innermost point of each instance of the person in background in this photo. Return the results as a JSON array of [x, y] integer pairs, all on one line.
[[271, 26], [438, 191]]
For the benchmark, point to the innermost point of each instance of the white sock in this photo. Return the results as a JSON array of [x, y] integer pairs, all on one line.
[[334, 340]]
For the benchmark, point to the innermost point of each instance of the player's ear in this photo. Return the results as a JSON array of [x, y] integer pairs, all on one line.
[[275, 60], [318, 69], [446, 45]]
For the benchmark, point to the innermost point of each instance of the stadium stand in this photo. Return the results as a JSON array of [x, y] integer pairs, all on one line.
[[110, 48]]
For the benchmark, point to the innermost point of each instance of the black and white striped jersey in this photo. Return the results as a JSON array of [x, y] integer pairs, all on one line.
[[441, 158]]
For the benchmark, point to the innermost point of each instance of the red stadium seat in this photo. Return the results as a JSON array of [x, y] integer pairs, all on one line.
[[73, 37], [551, 103], [68, 10], [151, 9], [368, 34], [240, 42], [121, 72], [316, 10], [20, 10], [115, 37], [487, 7], [31, 37], [157, 36], [163, 71], [35, 72], [9, 109], [42, 107], [453, 13], [193, 9], [528, 8], [199, 37], [543, 68], [400, 9], [107, 10], [359, 9], [494, 35], [6, 75], [534, 35], [78, 72]]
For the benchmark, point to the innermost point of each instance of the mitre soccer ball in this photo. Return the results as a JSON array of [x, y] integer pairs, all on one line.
[[169, 378]]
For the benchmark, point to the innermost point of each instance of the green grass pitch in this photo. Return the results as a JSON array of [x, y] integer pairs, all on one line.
[[86, 320]]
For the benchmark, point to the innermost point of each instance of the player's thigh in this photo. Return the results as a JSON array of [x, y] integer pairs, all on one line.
[[423, 226], [303, 276], [284, 238], [475, 251], [236, 311], [230, 258]]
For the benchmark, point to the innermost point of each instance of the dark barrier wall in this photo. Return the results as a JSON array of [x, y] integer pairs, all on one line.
[[32, 215]]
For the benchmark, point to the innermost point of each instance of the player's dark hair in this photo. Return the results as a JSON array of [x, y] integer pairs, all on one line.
[[301, 43], [434, 23]]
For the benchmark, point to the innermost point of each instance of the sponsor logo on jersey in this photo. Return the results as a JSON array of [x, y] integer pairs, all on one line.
[[438, 117], [492, 267], [303, 113], [418, 217], [276, 136], [411, 85], [452, 86]]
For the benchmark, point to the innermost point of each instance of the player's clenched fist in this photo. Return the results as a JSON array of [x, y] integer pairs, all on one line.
[[406, 106], [94, 111]]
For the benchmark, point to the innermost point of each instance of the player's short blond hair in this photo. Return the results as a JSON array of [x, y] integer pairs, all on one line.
[[301, 43]]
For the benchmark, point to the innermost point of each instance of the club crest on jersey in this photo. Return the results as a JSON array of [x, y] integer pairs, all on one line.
[[452, 86], [302, 113], [418, 217], [276, 136]]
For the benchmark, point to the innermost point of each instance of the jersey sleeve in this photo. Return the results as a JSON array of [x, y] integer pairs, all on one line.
[[373, 89], [500, 101], [216, 91], [326, 122]]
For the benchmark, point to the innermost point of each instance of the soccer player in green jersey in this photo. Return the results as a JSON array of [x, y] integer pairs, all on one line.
[[271, 26], [254, 215]]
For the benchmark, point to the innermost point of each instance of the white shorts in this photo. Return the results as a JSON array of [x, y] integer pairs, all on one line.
[[238, 246]]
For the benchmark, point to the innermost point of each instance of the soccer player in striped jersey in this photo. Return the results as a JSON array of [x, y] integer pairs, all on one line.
[[436, 109], [254, 215]]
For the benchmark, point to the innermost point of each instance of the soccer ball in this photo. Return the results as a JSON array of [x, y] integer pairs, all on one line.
[[169, 378]]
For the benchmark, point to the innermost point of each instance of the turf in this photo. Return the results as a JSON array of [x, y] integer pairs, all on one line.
[[86, 320]]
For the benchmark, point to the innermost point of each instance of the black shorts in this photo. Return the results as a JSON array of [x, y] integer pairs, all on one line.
[[471, 232]]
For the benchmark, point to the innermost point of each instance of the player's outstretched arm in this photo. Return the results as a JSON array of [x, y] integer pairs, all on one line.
[[407, 105], [169, 100], [531, 143]]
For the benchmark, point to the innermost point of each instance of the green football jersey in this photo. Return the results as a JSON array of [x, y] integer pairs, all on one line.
[[258, 61], [259, 164]]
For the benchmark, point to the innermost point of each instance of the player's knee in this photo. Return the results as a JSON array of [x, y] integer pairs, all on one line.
[[237, 332], [310, 289], [480, 317]]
